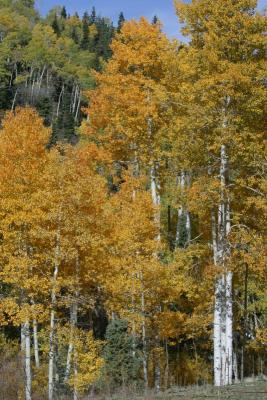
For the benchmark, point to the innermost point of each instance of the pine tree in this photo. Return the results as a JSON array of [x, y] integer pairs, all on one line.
[[155, 20], [121, 21], [121, 364], [55, 26], [64, 13], [64, 125], [85, 31], [93, 16]]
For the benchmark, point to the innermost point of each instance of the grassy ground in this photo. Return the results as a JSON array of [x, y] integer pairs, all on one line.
[[252, 391]]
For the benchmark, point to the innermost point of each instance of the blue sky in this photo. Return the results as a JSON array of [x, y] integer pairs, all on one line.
[[164, 9]]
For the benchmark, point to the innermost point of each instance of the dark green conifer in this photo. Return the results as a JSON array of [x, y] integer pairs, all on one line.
[[93, 16], [85, 28], [120, 21], [64, 13], [155, 20], [63, 129], [55, 26], [122, 361]]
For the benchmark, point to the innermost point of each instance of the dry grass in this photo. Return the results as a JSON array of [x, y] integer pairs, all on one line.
[[252, 391]]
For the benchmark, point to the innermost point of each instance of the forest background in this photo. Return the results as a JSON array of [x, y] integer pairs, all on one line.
[[132, 200]]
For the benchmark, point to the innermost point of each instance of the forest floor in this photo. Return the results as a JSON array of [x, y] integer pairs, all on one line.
[[251, 391]]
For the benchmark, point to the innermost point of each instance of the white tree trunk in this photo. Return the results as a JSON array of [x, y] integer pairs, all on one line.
[[223, 309], [70, 349], [188, 227], [155, 196], [36, 344], [27, 358], [144, 340], [75, 366], [73, 321], [217, 330], [157, 376], [51, 356], [229, 329], [59, 100], [223, 332], [235, 367], [52, 322], [154, 186], [22, 338], [183, 181]]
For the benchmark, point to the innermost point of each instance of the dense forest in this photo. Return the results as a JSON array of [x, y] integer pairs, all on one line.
[[133, 207]]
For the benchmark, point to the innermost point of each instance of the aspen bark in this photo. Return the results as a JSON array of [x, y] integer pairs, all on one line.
[[223, 307], [157, 376], [14, 101], [78, 109], [70, 349], [183, 214], [36, 344], [22, 338], [52, 321], [229, 328], [144, 340], [73, 321], [235, 367], [59, 100], [72, 353], [27, 360], [217, 330]]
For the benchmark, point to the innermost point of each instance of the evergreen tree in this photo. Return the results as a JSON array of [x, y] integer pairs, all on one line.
[[105, 33], [155, 20], [45, 109], [55, 26], [120, 21], [64, 126], [93, 16], [121, 360], [64, 13], [85, 28], [74, 36], [28, 3]]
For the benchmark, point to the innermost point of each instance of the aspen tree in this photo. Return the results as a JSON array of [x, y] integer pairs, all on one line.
[[225, 72], [23, 157]]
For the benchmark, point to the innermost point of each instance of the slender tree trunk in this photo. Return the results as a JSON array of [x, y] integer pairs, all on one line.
[[223, 309], [144, 341], [166, 374], [36, 344], [75, 367], [70, 351], [245, 317], [73, 321], [183, 214], [27, 360], [235, 367], [22, 338], [157, 376], [59, 99], [74, 100], [52, 321], [229, 329], [155, 187], [217, 332], [14, 101], [77, 109]]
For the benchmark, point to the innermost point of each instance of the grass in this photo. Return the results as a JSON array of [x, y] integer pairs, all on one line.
[[251, 391]]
